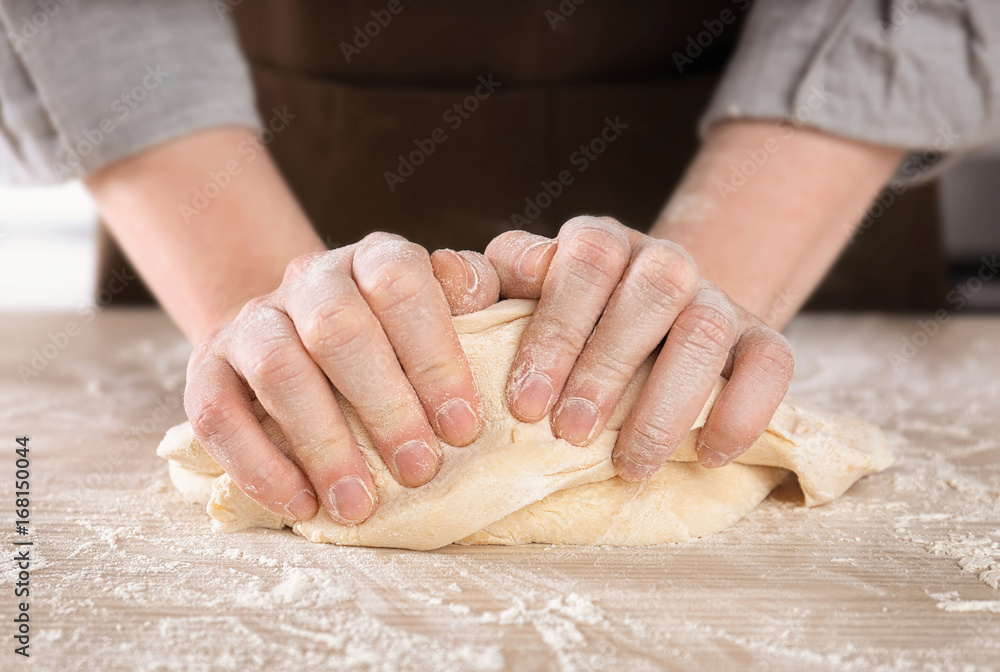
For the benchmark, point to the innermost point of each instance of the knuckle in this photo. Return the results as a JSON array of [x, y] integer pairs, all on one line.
[[200, 355], [602, 368], [775, 358], [397, 278], [666, 276], [597, 251], [212, 420], [334, 326], [379, 248], [396, 284], [252, 308], [560, 336], [651, 442], [575, 224], [611, 367], [435, 372], [315, 452], [274, 364], [299, 267], [708, 328], [377, 238], [394, 420], [336, 450], [272, 469]]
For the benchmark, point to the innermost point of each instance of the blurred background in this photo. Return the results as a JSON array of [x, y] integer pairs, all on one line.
[[56, 228], [48, 247], [354, 118]]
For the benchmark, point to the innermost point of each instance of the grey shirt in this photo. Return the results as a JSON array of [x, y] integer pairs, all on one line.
[[922, 75], [84, 83]]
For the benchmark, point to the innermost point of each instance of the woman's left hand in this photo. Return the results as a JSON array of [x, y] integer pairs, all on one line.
[[608, 297]]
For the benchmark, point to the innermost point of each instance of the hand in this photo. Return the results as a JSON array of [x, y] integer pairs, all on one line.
[[608, 295], [370, 319]]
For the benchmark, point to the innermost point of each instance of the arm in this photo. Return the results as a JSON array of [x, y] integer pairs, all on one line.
[[723, 254], [277, 319], [153, 104], [204, 264], [770, 241]]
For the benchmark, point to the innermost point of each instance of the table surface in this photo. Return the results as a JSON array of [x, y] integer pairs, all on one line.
[[899, 574]]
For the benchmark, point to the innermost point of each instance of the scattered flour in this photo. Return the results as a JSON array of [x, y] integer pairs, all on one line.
[[128, 574]]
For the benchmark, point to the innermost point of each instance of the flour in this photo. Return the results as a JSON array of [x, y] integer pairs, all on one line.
[[893, 577], [950, 601]]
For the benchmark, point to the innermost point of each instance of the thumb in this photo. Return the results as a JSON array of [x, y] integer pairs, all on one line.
[[521, 260], [467, 278]]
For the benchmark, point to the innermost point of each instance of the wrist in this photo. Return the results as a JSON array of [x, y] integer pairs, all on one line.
[[768, 232], [203, 264]]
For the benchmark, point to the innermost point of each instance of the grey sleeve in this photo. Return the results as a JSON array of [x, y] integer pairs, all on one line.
[[923, 75], [84, 83]]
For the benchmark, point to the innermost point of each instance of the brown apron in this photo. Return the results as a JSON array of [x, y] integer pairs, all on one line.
[[450, 122]]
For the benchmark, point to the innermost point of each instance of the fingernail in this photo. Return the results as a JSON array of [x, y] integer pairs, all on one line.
[[576, 420], [457, 423], [416, 462], [352, 499], [631, 470], [303, 505], [471, 274], [711, 458], [533, 397], [527, 265]]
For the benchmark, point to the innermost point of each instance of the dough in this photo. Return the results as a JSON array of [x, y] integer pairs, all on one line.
[[518, 484]]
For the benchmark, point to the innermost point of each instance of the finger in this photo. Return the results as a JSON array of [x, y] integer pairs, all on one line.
[[521, 260], [342, 336], [590, 258], [396, 280], [218, 405], [682, 379], [763, 366], [469, 281], [296, 394], [659, 282]]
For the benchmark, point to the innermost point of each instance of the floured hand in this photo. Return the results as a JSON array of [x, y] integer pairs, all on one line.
[[608, 297]]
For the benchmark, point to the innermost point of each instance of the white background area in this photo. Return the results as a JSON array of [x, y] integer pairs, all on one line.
[[48, 248]]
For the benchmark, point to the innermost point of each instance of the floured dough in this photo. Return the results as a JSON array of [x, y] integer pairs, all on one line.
[[518, 484]]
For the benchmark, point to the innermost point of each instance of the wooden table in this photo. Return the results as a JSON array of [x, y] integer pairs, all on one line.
[[899, 574]]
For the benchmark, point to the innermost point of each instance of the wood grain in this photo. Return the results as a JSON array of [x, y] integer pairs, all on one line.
[[129, 577]]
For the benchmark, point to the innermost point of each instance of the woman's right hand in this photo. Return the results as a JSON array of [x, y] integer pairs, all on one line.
[[370, 320]]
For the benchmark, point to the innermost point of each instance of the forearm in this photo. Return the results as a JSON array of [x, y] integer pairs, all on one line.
[[766, 209], [204, 257]]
